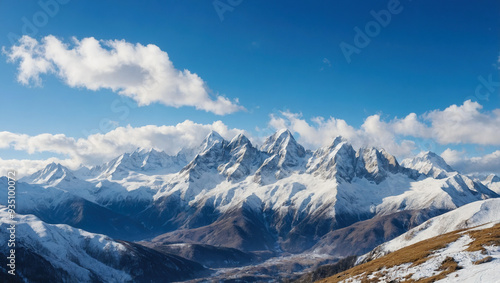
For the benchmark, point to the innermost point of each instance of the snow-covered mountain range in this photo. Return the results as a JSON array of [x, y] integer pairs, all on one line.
[[278, 198]]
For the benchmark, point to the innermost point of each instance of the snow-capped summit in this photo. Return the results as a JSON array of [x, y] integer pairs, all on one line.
[[244, 159], [492, 178], [375, 164], [492, 182], [340, 160], [337, 141], [336, 160], [285, 156], [238, 141], [212, 153], [146, 161], [283, 143], [212, 138], [430, 164], [52, 174], [234, 160]]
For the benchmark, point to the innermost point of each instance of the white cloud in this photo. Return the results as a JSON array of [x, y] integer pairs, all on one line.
[[144, 73], [321, 132], [465, 124], [399, 136], [411, 126], [452, 156], [489, 163], [99, 148], [26, 167]]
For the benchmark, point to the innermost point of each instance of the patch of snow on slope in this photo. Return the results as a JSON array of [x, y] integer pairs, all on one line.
[[469, 272], [470, 215], [484, 272]]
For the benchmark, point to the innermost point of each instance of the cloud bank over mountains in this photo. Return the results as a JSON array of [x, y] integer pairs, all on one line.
[[464, 124], [457, 124], [142, 72], [98, 148]]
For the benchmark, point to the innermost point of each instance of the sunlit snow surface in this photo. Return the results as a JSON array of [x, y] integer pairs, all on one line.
[[470, 272], [474, 216], [485, 213], [65, 247]]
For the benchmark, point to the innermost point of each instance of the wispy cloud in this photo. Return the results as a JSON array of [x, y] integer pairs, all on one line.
[[327, 62], [142, 72]]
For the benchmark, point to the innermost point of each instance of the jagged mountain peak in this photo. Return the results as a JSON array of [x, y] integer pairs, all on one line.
[[338, 159], [285, 156], [373, 163], [492, 178], [234, 160], [143, 160], [53, 165], [282, 139], [243, 159], [210, 140], [141, 156], [50, 174], [213, 152], [379, 154], [430, 164], [214, 136], [338, 140], [239, 141], [283, 131], [145, 150], [435, 160]]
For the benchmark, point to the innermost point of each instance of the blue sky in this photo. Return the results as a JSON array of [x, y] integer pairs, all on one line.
[[275, 57]]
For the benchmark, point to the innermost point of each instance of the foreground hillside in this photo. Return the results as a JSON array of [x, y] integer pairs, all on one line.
[[471, 255], [429, 252]]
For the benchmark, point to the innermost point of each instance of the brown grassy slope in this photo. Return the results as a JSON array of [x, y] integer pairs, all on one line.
[[419, 252]]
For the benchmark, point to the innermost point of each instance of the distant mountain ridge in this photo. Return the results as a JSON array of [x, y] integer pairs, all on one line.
[[288, 188]]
